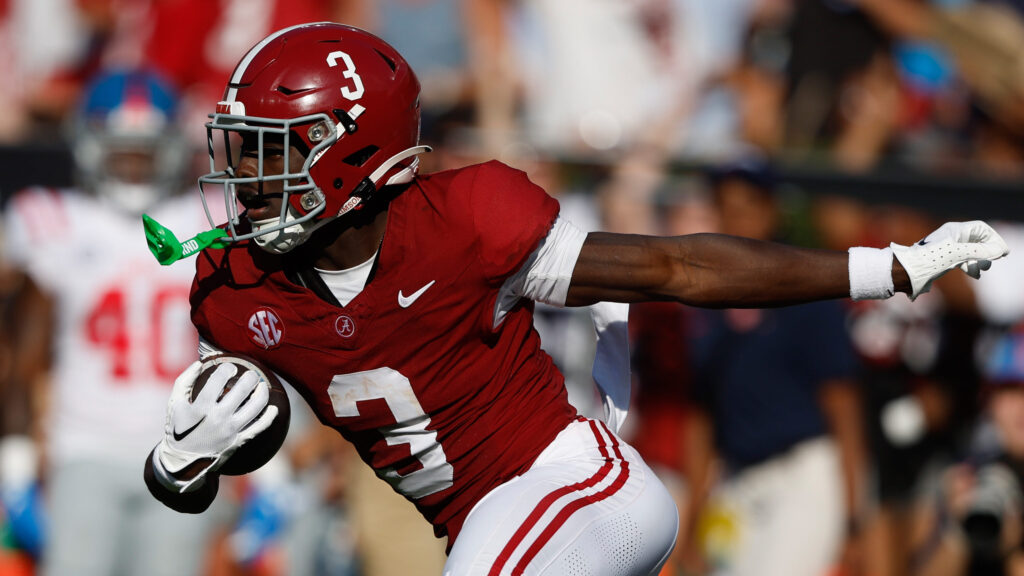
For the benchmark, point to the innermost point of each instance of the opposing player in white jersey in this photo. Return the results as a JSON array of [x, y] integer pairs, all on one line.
[[121, 331]]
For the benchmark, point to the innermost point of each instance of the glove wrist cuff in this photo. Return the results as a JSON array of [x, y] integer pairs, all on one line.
[[871, 273], [168, 481], [167, 471]]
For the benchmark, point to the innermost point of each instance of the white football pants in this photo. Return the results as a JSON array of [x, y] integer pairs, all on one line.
[[589, 506]]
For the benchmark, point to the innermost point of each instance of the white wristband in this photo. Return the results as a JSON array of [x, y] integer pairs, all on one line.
[[871, 273]]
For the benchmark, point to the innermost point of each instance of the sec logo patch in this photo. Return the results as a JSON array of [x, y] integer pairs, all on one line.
[[266, 328]]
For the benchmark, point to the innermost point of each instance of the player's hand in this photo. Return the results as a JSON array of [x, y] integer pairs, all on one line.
[[201, 435], [970, 246]]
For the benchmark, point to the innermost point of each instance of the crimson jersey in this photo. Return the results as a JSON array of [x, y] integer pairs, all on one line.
[[442, 404]]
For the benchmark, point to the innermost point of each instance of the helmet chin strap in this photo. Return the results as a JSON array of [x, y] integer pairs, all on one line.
[[365, 189]]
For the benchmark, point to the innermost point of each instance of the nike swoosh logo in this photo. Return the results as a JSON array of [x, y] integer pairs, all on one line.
[[178, 437], [406, 301]]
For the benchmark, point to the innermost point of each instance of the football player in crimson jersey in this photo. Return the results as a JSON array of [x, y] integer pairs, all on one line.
[[399, 305]]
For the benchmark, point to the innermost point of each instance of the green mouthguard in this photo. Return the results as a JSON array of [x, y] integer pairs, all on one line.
[[168, 250]]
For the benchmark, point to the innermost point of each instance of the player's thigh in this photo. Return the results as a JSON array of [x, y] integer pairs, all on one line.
[[85, 514], [588, 506]]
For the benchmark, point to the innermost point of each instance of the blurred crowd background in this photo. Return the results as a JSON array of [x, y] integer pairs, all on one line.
[[871, 438]]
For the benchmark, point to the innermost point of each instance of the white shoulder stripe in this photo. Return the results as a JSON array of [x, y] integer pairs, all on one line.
[[42, 212]]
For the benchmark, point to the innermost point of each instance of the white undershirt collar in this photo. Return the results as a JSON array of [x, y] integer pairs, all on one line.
[[348, 283]]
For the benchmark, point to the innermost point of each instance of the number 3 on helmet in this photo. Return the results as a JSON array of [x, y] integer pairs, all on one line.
[[343, 97]]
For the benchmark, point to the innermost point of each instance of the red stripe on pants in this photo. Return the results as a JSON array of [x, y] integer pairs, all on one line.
[[563, 515]]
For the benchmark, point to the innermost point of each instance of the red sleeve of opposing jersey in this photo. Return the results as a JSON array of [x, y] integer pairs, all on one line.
[[510, 216]]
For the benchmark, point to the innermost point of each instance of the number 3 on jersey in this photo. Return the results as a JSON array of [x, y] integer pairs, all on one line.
[[346, 390]]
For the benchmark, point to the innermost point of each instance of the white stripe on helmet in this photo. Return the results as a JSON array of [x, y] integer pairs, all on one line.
[[251, 55]]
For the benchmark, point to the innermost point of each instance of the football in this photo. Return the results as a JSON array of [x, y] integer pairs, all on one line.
[[258, 451]]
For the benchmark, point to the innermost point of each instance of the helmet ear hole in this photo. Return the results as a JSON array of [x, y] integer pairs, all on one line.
[[359, 157], [338, 183]]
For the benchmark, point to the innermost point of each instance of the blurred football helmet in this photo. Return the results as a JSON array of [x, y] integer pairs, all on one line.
[[343, 97], [125, 140]]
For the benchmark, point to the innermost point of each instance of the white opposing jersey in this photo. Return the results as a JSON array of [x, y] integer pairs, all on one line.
[[122, 320]]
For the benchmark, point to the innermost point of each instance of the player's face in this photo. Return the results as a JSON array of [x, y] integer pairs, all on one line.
[[136, 166], [263, 200], [1007, 408], [745, 210]]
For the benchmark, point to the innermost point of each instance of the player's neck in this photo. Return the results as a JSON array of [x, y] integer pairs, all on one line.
[[352, 245]]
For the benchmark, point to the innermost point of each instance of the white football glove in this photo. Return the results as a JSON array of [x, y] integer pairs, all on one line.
[[970, 246], [209, 428]]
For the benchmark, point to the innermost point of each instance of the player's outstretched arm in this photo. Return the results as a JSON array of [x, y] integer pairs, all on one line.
[[717, 271]]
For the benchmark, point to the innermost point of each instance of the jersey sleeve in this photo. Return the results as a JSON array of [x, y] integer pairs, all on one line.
[[35, 226], [511, 215]]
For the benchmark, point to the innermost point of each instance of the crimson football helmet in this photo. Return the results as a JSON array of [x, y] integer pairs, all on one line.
[[342, 96]]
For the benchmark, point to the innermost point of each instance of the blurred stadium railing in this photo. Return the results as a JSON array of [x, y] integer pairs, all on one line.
[[947, 196]]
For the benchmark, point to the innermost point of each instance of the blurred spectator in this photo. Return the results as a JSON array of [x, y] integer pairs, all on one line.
[[24, 357], [984, 38], [573, 102], [978, 526], [992, 518], [603, 78], [437, 36], [741, 101], [120, 334], [1001, 302], [196, 43], [24, 352], [775, 401], [57, 46], [38, 39], [820, 92], [920, 395]]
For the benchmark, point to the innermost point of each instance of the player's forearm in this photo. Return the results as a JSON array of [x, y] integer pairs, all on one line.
[[710, 270], [726, 271]]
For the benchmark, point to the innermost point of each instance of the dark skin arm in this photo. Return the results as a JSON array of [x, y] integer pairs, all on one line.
[[710, 271]]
